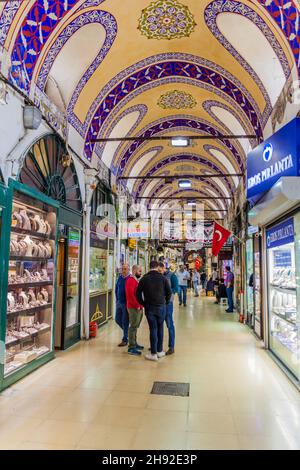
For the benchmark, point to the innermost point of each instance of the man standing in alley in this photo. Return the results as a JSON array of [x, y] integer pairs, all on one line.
[[196, 282], [135, 310], [154, 293], [215, 275], [183, 277], [229, 289], [173, 281], [122, 318]]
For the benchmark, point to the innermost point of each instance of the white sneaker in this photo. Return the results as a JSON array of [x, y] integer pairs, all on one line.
[[151, 357], [161, 354]]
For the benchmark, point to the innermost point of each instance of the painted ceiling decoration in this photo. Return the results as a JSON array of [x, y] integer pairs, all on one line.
[[90, 16], [166, 19], [170, 67], [177, 99]]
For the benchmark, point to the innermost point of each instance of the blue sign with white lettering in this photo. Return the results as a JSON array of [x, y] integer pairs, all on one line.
[[269, 161], [281, 234]]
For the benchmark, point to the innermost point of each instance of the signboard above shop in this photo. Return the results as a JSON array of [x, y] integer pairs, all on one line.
[[281, 234], [273, 159]]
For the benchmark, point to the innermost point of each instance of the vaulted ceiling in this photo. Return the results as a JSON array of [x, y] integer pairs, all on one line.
[[116, 68]]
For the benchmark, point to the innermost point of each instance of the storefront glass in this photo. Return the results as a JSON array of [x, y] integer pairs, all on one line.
[[283, 289], [250, 281], [98, 270], [73, 278]]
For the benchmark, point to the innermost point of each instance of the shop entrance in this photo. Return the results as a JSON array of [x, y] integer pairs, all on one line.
[[48, 168], [67, 331]]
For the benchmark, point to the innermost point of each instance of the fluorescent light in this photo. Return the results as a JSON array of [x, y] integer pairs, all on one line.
[[184, 184], [191, 203], [180, 141]]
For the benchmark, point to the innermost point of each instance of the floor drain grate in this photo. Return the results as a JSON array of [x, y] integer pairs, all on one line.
[[175, 389]]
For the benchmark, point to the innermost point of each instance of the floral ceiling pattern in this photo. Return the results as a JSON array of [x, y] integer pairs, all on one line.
[[166, 19], [177, 100], [190, 52]]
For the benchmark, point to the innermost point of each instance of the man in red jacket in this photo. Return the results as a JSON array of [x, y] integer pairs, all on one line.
[[135, 310]]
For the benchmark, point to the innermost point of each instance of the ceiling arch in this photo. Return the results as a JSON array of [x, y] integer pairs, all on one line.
[[173, 124], [156, 72]]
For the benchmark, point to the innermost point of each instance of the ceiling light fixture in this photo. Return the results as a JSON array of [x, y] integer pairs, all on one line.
[[191, 203], [184, 184], [180, 142]]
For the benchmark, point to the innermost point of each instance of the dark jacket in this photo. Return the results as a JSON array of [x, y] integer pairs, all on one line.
[[153, 289], [210, 285], [222, 291], [120, 289]]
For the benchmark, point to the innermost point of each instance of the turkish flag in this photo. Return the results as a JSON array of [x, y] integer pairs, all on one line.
[[220, 237]]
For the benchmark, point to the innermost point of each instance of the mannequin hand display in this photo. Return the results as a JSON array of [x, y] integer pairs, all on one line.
[[26, 225], [23, 299], [17, 220]]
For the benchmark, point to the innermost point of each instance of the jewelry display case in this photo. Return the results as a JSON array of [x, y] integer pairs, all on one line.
[[282, 288], [28, 311]]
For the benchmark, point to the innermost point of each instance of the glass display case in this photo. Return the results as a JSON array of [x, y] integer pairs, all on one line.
[[30, 280], [257, 290], [283, 266], [73, 277]]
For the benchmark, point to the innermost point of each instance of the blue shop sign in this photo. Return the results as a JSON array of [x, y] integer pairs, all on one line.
[[281, 234], [269, 161]]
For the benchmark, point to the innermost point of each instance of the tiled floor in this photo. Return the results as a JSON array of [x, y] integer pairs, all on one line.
[[95, 396]]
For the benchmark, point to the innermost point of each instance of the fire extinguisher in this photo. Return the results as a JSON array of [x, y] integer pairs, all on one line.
[[241, 317], [93, 329]]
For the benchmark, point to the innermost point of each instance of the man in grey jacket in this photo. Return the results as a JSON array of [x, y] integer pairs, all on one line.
[[183, 277]]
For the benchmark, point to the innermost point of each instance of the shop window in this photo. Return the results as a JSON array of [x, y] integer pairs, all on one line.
[[48, 168]]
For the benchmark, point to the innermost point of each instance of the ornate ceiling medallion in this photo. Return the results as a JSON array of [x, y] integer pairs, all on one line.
[[177, 100], [166, 19]]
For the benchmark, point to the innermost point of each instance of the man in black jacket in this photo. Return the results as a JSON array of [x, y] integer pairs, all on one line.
[[154, 292]]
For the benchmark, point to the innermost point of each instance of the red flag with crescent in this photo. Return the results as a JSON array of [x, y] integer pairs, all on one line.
[[220, 237]]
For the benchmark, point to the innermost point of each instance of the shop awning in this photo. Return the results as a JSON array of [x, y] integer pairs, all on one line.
[[281, 198]]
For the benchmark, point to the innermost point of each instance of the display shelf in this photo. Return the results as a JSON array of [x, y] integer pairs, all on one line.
[[11, 287], [30, 310], [29, 258], [282, 317], [21, 366], [286, 346], [287, 290], [22, 231], [29, 337]]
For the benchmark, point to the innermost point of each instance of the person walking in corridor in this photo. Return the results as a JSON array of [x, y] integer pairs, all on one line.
[[183, 277], [135, 310], [196, 282], [173, 281], [154, 293], [203, 279], [229, 288], [122, 318]]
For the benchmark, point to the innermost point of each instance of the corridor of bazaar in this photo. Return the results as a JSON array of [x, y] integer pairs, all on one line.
[[149, 225]]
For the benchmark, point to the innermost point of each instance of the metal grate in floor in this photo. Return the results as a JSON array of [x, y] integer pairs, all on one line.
[[175, 389]]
